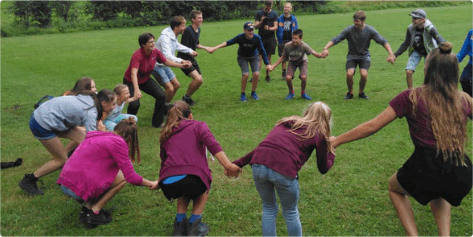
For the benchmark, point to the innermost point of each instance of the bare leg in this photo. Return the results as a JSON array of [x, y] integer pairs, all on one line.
[[244, 79], [199, 204], [175, 85], [182, 204], [254, 83], [59, 153], [350, 74], [409, 74], [441, 210], [195, 83], [363, 78], [289, 83], [116, 186], [303, 83], [168, 91], [269, 59], [402, 205]]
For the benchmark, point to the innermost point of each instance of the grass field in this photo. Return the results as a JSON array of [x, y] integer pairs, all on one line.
[[350, 200]]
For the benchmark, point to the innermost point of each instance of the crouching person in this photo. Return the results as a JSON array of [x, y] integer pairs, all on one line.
[[100, 167]]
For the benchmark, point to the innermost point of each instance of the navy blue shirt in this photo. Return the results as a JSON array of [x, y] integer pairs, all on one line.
[[271, 17], [249, 47]]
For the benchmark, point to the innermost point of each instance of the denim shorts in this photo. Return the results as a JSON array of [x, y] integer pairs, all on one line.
[[71, 194], [110, 125], [243, 62], [40, 132], [163, 75], [414, 60]]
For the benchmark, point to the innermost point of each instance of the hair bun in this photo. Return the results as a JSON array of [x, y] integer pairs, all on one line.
[[445, 47]]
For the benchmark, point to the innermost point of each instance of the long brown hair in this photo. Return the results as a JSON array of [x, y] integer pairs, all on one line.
[[180, 110], [444, 102], [83, 84], [317, 120], [128, 129]]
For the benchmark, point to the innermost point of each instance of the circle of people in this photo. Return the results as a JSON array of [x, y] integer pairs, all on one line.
[[97, 163]]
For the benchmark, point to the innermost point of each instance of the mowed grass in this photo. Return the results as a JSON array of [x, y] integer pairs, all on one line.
[[350, 200]]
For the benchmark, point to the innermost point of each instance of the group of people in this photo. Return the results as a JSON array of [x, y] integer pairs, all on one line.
[[105, 142]]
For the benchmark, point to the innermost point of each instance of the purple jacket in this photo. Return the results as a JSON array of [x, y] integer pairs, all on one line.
[[285, 152], [184, 151], [93, 166]]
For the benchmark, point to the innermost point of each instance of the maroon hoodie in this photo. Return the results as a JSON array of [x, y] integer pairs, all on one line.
[[285, 152], [184, 151]]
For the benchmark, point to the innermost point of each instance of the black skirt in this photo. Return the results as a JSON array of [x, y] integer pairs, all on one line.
[[191, 186], [426, 176]]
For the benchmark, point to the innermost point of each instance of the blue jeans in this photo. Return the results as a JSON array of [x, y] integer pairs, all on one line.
[[266, 182], [414, 60]]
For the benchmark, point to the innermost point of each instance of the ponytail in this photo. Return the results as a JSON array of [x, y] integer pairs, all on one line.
[[179, 110], [128, 129]]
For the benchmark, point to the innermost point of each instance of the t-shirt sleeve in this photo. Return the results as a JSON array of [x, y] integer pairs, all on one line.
[[401, 104], [308, 49], [208, 139], [343, 35], [325, 158], [258, 16], [232, 41], [135, 60], [377, 37]]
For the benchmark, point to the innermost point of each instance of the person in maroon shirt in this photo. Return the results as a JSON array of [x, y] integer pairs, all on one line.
[[279, 157], [185, 173], [439, 171], [137, 76]]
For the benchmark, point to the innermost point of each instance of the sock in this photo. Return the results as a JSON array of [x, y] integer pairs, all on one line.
[[243, 93], [34, 177], [292, 92], [302, 92], [253, 92], [180, 217], [194, 218]]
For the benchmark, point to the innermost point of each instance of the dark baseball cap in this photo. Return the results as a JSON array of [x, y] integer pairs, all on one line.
[[419, 13], [248, 26]]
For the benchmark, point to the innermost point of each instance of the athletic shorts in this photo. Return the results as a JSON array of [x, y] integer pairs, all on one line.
[[195, 66], [269, 45], [426, 176], [191, 186], [40, 132], [243, 63], [414, 60], [291, 68], [364, 62], [163, 75], [281, 47]]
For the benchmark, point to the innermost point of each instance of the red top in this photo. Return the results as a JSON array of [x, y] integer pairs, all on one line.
[[144, 63]]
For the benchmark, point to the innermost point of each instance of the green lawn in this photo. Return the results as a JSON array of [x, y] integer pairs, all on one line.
[[351, 199]]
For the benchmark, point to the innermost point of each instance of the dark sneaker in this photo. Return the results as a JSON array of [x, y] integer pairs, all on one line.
[[180, 229], [348, 96], [243, 98], [83, 213], [305, 96], [363, 96], [198, 228], [268, 79], [290, 96], [189, 101], [98, 219], [28, 183], [254, 96]]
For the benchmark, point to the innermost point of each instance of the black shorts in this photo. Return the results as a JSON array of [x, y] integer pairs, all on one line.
[[191, 186], [426, 176], [364, 62], [195, 66], [269, 45]]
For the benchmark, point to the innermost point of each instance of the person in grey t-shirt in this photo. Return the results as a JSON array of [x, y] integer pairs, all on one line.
[[358, 36], [296, 52]]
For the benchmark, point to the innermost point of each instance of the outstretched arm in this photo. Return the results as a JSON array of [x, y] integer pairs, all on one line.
[[325, 50], [391, 58], [366, 129], [231, 169], [222, 45]]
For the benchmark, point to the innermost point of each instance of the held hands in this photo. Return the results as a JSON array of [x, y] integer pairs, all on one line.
[[154, 185], [138, 94], [325, 53], [194, 53], [269, 67], [391, 58], [333, 142], [232, 170], [211, 49], [186, 63]]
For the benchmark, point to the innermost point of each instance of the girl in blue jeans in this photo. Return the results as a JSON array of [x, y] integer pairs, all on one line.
[[279, 157]]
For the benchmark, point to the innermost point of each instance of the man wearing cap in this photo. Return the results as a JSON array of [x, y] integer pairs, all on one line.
[[249, 45], [421, 38], [266, 21]]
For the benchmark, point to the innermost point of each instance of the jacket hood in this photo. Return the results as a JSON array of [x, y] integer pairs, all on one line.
[[86, 99], [169, 33], [183, 125]]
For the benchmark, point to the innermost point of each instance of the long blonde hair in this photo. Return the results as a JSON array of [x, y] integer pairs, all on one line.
[[180, 110], [444, 102], [317, 120], [128, 129]]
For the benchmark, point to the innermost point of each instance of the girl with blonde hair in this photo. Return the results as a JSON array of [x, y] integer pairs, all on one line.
[[279, 157], [438, 172], [185, 173]]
